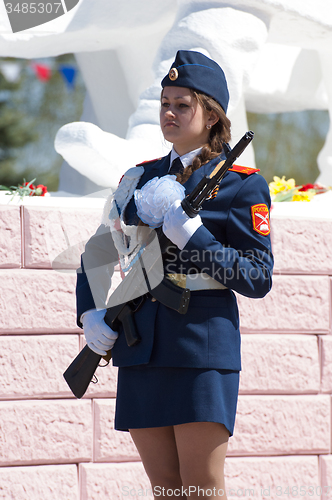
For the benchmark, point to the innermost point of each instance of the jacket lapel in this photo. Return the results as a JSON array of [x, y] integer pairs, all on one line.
[[159, 169]]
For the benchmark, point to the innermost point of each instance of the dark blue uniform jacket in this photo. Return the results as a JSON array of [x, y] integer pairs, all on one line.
[[229, 249]]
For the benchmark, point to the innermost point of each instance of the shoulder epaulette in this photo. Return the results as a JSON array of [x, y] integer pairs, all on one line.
[[243, 170], [147, 161]]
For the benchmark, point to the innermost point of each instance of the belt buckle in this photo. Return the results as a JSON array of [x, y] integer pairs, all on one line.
[[178, 279]]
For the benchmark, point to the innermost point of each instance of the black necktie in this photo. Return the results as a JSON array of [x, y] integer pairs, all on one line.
[[176, 168]]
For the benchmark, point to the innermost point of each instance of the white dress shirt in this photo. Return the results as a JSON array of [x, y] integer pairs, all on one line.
[[186, 159]]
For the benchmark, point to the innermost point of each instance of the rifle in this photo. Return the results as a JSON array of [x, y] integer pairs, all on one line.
[[80, 372], [192, 203]]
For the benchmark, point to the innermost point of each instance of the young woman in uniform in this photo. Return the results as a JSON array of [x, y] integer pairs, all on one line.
[[178, 387]]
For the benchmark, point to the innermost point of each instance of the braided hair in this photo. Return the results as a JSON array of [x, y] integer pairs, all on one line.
[[219, 133]]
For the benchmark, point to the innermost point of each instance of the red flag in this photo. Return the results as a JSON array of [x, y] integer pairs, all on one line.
[[42, 71]]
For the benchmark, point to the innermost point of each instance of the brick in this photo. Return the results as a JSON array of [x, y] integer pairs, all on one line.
[[271, 478], [289, 239], [45, 432], [296, 304], [281, 425], [325, 345], [51, 231], [32, 366], [43, 482], [37, 301], [10, 237], [325, 463], [116, 481], [110, 445], [280, 364]]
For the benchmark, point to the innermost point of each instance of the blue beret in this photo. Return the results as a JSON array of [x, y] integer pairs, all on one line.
[[196, 71]]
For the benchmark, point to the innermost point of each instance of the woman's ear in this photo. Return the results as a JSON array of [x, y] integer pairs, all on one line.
[[213, 118]]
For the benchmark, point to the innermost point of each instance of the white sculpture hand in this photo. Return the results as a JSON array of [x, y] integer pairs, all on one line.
[[178, 227], [99, 337], [98, 155]]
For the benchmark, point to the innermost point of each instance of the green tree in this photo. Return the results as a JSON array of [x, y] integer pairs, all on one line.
[[52, 105], [15, 129], [288, 143], [49, 105]]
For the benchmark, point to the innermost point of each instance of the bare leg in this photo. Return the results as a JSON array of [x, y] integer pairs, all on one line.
[[201, 448], [157, 449]]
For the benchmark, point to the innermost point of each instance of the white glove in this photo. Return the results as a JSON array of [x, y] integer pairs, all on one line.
[[99, 337], [156, 197], [178, 226]]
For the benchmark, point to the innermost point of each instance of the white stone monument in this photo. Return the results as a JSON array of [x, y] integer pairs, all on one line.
[[276, 56]]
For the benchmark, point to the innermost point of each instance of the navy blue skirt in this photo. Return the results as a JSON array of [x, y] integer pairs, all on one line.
[[156, 397]]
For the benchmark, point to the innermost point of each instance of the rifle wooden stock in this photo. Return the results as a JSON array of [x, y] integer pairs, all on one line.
[[81, 371]]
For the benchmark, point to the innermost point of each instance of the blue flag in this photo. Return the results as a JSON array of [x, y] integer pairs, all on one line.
[[69, 74]]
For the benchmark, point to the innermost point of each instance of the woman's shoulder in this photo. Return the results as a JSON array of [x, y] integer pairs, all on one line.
[[243, 170], [137, 171], [145, 163], [248, 176], [248, 186]]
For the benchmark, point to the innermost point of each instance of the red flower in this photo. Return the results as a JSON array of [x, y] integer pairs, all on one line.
[[317, 187], [306, 187], [31, 186], [40, 190]]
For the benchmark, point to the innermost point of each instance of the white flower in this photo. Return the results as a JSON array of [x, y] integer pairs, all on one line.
[[155, 198]]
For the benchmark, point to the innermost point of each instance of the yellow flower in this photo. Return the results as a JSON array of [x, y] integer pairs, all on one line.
[[290, 184], [279, 185], [304, 195]]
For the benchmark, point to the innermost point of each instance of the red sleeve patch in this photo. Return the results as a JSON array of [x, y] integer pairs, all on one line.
[[243, 170], [260, 219]]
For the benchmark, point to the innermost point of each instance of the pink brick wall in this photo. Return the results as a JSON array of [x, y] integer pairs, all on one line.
[[53, 446]]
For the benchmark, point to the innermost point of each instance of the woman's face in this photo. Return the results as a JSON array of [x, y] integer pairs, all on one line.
[[183, 120]]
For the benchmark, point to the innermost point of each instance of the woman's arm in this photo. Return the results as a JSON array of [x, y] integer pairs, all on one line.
[[245, 264]]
